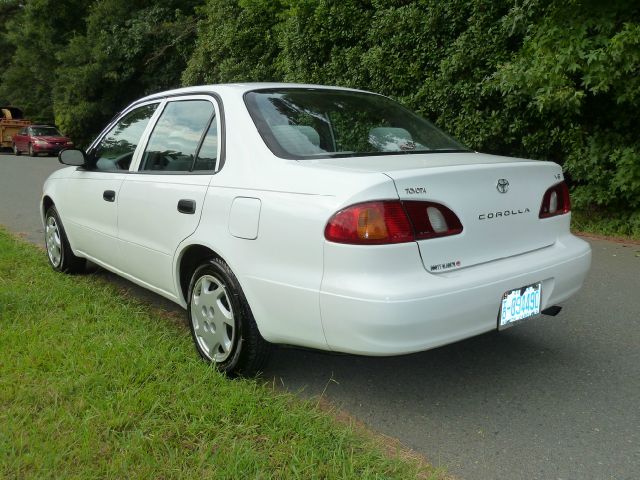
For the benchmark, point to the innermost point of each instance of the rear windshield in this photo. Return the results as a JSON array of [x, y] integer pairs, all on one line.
[[45, 131], [320, 123]]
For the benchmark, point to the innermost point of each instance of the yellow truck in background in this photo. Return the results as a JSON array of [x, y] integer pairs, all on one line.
[[11, 120]]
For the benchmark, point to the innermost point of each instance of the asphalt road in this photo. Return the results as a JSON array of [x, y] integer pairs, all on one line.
[[554, 398]]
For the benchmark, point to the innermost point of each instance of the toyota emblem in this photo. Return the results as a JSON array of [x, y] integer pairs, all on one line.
[[503, 185]]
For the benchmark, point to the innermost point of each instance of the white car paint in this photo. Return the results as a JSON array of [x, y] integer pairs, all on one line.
[[265, 216]]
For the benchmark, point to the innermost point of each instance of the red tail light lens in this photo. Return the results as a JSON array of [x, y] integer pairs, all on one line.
[[370, 223], [391, 221], [556, 201]]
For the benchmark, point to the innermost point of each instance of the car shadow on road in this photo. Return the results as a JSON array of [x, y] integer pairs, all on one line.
[[489, 362]]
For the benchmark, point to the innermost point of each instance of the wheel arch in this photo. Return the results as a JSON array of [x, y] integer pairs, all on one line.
[[189, 258], [47, 203]]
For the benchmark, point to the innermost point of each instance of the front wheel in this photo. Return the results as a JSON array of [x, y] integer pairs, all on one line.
[[221, 322], [31, 152], [16, 152], [59, 252]]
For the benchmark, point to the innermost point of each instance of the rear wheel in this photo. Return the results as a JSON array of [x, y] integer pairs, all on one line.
[[16, 152], [59, 252], [221, 322]]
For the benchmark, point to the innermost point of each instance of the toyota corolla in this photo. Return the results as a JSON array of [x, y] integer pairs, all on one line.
[[322, 217]]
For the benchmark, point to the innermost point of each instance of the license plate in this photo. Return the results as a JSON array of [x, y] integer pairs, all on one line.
[[519, 304]]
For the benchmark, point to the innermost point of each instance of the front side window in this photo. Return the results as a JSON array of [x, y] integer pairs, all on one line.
[[115, 151], [174, 143], [319, 123]]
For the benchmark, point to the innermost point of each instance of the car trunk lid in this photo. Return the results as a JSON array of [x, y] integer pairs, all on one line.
[[497, 204], [497, 200]]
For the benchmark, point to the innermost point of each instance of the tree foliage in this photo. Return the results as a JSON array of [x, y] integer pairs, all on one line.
[[35, 35], [8, 11], [235, 42], [78, 62], [556, 80], [129, 49]]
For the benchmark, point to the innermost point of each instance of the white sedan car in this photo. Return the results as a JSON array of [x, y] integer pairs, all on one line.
[[316, 216]]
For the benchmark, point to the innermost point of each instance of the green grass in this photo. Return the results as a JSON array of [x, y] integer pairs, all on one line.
[[601, 222], [94, 384]]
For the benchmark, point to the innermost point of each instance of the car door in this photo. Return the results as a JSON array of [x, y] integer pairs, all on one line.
[[88, 201], [20, 139], [160, 204]]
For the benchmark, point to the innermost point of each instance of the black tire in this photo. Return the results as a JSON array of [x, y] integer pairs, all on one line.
[[31, 152], [248, 351], [67, 262], [16, 152]]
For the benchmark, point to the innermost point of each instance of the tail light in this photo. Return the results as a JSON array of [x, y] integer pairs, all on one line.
[[391, 221], [556, 201], [431, 220]]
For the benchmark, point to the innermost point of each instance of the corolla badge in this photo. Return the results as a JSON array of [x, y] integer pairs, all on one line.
[[503, 185]]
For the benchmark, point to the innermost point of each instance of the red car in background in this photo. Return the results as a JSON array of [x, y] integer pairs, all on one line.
[[37, 139]]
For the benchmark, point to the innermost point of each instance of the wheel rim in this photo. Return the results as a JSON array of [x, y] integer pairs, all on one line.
[[212, 318], [52, 239]]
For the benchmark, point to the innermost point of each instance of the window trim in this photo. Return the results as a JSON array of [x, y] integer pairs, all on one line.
[[113, 123], [136, 168]]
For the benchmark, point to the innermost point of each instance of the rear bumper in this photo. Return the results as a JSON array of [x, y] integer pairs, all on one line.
[[399, 308]]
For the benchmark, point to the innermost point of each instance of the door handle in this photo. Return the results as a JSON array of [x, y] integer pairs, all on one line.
[[187, 206], [109, 195]]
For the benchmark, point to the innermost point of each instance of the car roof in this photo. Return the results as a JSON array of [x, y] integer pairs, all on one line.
[[239, 88]]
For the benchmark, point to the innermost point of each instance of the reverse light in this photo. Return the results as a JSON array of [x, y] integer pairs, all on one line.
[[556, 201], [437, 220], [391, 221]]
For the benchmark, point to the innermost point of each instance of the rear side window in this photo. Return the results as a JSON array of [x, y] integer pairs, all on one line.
[[176, 138]]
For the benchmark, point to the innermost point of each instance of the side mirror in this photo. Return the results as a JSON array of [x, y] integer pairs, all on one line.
[[72, 156]]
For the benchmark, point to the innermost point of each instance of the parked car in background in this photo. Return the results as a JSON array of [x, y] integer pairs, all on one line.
[[316, 216], [36, 139]]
